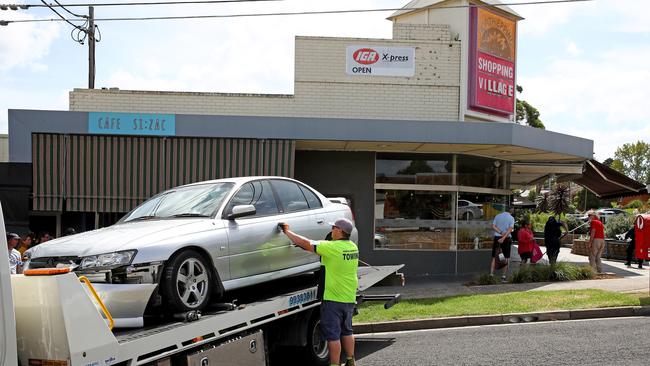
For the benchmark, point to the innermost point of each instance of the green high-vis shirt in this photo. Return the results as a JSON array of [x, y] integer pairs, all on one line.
[[341, 260]]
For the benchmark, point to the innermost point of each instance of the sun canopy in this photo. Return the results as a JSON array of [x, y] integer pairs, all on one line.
[[606, 182]]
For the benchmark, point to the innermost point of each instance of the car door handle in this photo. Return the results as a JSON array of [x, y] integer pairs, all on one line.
[[320, 222]]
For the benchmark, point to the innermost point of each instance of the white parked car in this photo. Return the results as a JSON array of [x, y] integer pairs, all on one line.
[[189, 244]]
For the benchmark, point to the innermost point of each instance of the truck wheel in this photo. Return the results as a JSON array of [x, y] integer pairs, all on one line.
[[187, 282], [316, 349]]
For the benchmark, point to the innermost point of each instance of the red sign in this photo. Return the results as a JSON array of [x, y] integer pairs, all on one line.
[[492, 63], [366, 56], [642, 236]]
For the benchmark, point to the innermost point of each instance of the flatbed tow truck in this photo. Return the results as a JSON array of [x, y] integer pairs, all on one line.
[[53, 320]]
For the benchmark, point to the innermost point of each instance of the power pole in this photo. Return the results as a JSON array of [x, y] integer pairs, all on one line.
[[91, 47]]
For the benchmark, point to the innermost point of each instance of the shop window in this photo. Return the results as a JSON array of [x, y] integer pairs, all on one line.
[[414, 220], [414, 169], [475, 215], [474, 171]]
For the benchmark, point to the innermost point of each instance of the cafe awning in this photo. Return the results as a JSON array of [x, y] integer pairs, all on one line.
[[606, 182]]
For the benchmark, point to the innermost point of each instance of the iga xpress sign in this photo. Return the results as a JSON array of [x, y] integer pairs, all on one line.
[[380, 61], [492, 63]]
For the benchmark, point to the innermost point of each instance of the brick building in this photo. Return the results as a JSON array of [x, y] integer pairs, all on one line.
[[415, 131]]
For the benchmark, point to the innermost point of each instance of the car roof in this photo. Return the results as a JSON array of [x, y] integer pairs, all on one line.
[[238, 180]]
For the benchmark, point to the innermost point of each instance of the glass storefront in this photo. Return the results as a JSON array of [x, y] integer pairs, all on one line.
[[437, 202]]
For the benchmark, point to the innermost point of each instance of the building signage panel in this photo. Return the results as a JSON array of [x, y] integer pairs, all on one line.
[[492, 63], [131, 124], [380, 61]]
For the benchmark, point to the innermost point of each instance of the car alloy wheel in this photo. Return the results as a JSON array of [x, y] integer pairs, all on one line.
[[187, 282], [192, 282]]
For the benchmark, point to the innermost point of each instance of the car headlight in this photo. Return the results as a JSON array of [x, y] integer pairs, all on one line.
[[108, 260]]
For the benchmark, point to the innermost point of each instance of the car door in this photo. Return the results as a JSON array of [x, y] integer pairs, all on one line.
[[303, 219], [256, 245]]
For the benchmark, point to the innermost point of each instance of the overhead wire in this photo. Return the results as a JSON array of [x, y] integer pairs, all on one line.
[[142, 3], [317, 12]]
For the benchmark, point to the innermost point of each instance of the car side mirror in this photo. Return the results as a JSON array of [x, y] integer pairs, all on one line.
[[241, 211]]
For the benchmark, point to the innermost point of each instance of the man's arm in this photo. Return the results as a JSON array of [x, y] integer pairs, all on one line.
[[299, 240]]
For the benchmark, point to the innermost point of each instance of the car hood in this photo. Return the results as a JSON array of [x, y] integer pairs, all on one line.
[[125, 236]]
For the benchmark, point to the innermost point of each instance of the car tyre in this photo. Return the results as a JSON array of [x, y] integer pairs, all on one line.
[[187, 282], [316, 351]]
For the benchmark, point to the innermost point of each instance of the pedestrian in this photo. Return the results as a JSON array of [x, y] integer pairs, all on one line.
[[340, 257], [631, 246], [502, 225], [15, 262], [43, 237], [596, 243], [552, 236], [26, 242], [525, 241]]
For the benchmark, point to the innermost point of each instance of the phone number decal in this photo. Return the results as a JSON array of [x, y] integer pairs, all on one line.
[[302, 298]]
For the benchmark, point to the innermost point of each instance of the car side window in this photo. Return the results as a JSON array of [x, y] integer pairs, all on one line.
[[462, 203], [258, 194], [312, 199], [290, 195]]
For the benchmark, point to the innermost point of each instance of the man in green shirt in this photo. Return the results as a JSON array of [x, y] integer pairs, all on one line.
[[340, 256]]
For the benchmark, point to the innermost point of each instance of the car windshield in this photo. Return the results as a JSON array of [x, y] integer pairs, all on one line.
[[194, 201]]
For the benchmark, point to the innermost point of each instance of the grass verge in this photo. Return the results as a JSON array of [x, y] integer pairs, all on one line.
[[487, 304]]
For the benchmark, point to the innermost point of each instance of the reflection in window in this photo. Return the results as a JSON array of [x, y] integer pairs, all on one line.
[[475, 215], [416, 169], [474, 171], [406, 219]]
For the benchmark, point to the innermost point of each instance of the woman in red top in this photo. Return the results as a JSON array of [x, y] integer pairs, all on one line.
[[526, 240]]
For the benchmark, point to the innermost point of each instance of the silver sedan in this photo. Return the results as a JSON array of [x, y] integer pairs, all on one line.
[[189, 244]]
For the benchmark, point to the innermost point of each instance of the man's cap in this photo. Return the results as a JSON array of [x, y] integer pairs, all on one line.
[[12, 236], [344, 224]]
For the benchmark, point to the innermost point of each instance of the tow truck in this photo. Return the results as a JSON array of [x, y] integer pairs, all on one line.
[[53, 317]]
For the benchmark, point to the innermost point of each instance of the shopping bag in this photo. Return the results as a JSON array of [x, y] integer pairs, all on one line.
[[536, 254], [500, 260]]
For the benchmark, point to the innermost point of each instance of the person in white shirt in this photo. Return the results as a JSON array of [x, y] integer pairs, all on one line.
[[15, 262]]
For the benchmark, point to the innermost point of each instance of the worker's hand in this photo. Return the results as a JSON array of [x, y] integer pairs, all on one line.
[[283, 226], [501, 239]]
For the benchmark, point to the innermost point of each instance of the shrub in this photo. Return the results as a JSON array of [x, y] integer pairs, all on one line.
[[618, 224], [561, 271], [573, 222], [486, 279], [538, 221], [635, 204]]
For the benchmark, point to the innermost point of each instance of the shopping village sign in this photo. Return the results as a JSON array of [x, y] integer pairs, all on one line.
[[380, 61], [492, 57]]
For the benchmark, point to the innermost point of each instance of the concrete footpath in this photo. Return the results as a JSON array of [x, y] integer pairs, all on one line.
[[629, 280]]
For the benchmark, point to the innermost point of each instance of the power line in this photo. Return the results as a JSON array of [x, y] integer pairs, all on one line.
[[26, 6], [323, 12]]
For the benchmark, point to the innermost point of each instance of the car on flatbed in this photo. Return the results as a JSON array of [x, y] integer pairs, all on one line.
[[187, 245]]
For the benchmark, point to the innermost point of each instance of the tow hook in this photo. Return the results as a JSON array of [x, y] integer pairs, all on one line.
[[188, 316]]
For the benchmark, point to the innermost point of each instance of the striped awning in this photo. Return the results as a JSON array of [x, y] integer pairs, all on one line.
[[116, 173], [47, 171]]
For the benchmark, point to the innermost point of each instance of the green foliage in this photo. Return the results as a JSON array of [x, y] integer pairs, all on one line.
[[638, 204], [561, 271], [527, 114], [538, 221], [486, 279], [618, 224], [592, 200], [573, 222], [633, 160]]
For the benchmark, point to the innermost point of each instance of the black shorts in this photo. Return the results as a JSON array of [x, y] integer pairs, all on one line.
[[505, 246], [335, 320], [525, 256]]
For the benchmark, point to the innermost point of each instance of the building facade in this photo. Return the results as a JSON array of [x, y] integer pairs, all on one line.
[[415, 132]]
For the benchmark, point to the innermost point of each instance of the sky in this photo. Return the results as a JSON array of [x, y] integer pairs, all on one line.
[[583, 65]]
